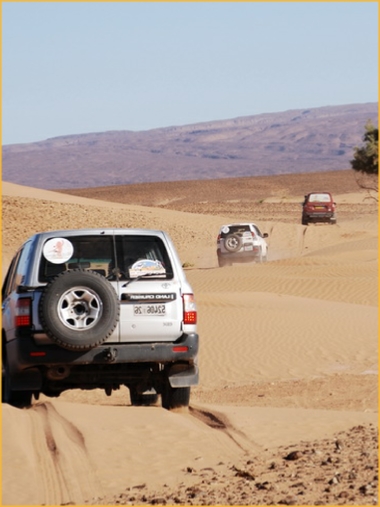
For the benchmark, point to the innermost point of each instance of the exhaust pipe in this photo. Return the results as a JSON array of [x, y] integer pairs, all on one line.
[[58, 372]]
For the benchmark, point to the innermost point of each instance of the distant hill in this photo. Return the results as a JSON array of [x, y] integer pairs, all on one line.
[[297, 141]]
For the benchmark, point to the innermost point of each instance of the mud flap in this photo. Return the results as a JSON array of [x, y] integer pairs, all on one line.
[[184, 377]]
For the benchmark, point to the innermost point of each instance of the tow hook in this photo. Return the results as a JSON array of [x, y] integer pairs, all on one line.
[[110, 354]]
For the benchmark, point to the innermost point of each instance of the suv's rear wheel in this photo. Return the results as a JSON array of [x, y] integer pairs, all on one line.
[[79, 309], [222, 261], [175, 397], [19, 399]]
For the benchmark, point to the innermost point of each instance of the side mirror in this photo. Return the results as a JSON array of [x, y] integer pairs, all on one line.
[[265, 235]]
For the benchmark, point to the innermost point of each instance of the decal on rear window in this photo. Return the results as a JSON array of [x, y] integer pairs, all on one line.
[[145, 266], [58, 250]]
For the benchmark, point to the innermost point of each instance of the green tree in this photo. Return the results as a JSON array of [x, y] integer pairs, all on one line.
[[366, 159]]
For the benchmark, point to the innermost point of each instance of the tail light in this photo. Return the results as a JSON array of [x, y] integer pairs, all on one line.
[[23, 315], [218, 238], [189, 309], [180, 348]]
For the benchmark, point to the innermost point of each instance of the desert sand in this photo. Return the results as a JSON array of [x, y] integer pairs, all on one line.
[[286, 411]]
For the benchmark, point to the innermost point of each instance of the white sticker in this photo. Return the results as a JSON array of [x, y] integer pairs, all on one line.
[[58, 250], [144, 266]]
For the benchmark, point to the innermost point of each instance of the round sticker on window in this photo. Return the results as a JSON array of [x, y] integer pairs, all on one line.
[[58, 250]]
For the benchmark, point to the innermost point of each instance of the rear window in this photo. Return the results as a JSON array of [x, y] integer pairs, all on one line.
[[142, 256], [117, 258], [86, 252], [234, 229], [319, 198]]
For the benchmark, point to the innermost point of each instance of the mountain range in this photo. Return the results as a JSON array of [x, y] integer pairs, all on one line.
[[294, 141]]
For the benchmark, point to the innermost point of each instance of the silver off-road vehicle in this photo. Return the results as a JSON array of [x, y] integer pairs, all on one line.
[[241, 242], [98, 308]]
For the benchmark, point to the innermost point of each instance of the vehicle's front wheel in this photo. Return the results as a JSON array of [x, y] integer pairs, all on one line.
[[222, 262], [175, 397]]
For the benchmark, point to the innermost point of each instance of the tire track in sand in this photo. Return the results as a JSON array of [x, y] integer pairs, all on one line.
[[63, 467], [220, 422]]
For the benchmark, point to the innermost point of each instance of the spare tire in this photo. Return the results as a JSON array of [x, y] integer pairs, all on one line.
[[79, 309], [233, 242]]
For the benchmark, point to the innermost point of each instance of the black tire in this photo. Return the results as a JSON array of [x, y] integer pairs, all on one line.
[[79, 309], [233, 242], [175, 397], [304, 221], [221, 262], [19, 399], [142, 399]]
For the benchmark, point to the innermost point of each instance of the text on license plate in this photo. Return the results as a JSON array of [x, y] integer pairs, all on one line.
[[149, 310]]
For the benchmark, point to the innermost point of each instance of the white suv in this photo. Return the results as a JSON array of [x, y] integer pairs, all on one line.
[[98, 308], [241, 242]]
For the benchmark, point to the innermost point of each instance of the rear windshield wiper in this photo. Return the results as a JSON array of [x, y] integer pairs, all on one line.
[[147, 275]]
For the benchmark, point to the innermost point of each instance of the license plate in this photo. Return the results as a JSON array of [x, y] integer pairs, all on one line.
[[319, 207], [248, 248], [147, 310]]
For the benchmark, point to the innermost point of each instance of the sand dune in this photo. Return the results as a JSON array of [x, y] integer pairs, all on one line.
[[288, 360]]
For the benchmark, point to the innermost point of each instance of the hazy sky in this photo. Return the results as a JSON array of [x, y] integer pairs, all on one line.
[[80, 67]]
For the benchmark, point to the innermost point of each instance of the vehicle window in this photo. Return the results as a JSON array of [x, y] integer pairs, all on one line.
[[257, 230], [93, 253], [7, 284], [319, 198], [119, 258], [235, 229], [17, 270], [142, 256]]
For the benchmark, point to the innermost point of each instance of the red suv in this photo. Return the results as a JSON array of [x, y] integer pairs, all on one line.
[[318, 207]]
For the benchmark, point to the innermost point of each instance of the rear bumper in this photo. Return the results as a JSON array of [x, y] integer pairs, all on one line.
[[24, 353], [316, 214], [325, 215], [241, 254], [28, 362]]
